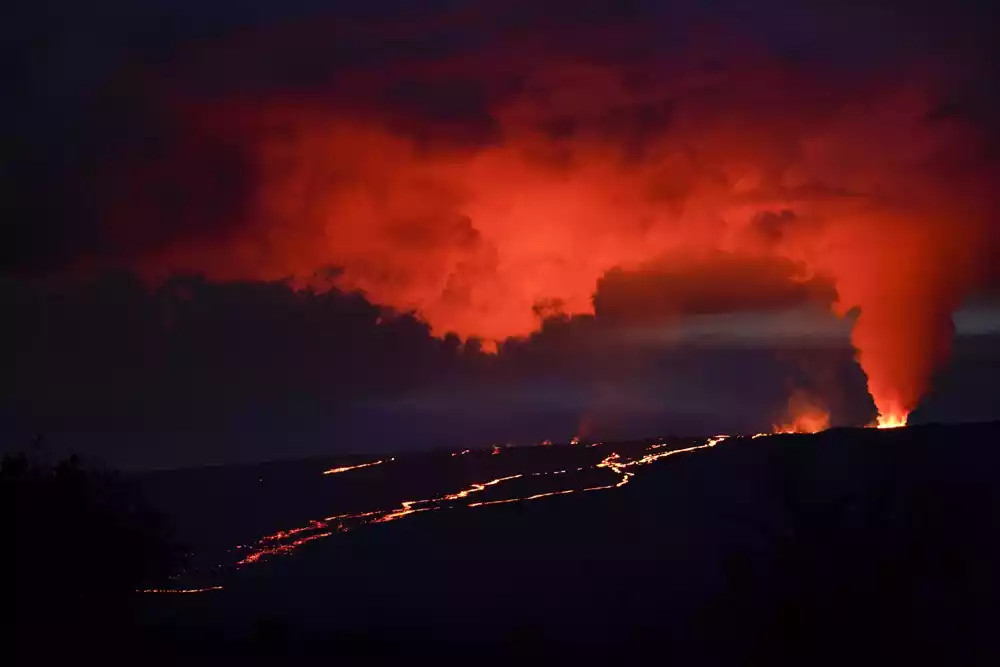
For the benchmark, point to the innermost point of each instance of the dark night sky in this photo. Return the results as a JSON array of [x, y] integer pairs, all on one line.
[[192, 192]]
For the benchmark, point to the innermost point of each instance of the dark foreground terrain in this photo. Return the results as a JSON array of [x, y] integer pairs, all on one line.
[[851, 545]]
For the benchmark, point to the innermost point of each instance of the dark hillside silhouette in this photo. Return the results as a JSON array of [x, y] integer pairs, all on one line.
[[880, 544], [83, 545], [849, 545]]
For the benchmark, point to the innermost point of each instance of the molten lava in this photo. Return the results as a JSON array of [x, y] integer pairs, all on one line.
[[891, 420], [337, 471], [182, 591], [808, 423], [287, 541]]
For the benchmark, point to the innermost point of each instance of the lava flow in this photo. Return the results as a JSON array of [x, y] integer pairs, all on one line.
[[336, 471], [287, 541], [181, 591]]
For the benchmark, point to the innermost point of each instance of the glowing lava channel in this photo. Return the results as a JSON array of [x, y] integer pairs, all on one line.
[[337, 471], [277, 543], [287, 541], [181, 591]]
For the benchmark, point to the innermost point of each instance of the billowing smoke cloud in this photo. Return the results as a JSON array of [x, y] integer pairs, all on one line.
[[711, 283], [487, 186], [804, 415]]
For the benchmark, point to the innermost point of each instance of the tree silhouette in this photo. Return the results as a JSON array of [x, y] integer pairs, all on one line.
[[83, 542]]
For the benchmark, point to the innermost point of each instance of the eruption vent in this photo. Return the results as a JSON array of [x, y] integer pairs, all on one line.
[[804, 416]]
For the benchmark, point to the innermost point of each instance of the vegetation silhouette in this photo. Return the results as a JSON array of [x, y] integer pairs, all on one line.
[[84, 545]]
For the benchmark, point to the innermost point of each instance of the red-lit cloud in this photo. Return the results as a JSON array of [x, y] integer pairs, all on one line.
[[708, 283], [528, 178]]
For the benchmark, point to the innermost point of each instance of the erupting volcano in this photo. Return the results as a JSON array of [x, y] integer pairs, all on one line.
[[367, 327], [610, 185]]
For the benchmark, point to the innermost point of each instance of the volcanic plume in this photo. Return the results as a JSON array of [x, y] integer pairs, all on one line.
[[483, 211], [805, 415]]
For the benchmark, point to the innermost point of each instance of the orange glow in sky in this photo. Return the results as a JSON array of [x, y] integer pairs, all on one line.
[[844, 181]]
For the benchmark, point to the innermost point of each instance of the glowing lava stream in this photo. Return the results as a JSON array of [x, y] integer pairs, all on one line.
[[180, 590], [287, 541], [335, 471]]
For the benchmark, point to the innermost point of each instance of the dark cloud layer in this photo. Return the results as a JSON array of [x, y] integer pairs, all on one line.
[[196, 372], [719, 283]]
